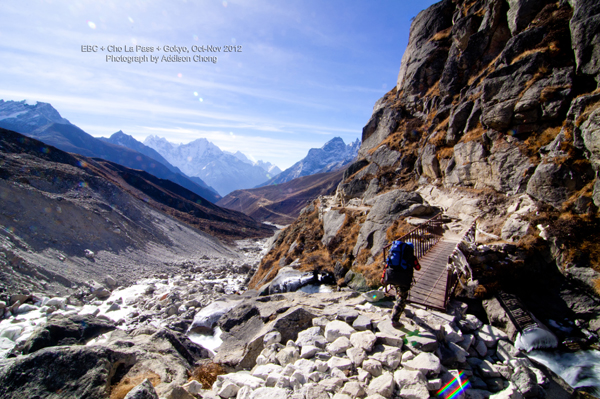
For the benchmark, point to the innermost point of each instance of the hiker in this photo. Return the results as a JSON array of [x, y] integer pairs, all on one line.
[[398, 272]]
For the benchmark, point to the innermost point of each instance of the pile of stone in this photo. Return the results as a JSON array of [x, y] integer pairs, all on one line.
[[358, 353]]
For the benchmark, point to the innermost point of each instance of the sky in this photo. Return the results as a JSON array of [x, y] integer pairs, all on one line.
[[297, 74]]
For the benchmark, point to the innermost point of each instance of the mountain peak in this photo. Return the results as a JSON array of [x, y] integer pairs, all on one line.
[[25, 116]]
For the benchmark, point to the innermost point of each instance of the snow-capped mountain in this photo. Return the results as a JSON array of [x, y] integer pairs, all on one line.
[[332, 156], [42, 122], [271, 169], [26, 116], [224, 171]]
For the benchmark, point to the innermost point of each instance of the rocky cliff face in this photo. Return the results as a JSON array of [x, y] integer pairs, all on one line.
[[495, 115]]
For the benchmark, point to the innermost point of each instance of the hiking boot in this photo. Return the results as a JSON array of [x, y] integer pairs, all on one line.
[[397, 324]]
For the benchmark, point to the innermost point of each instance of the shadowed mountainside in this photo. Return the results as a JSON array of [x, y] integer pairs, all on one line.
[[42, 122], [281, 203]]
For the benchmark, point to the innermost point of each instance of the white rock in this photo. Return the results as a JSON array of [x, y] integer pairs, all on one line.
[[243, 393], [263, 371], [490, 335], [311, 336], [404, 377], [337, 373], [299, 376], [339, 345], [287, 355], [461, 354], [316, 376], [309, 351], [269, 393], [57, 302], [388, 339], [243, 378], [363, 375], [426, 363], [364, 340], [375, 396], [332, 384], [354, 389], [414, 391], [288, 370], [382, 385], [272, 379], [474, 322], [274, 337], [283, 382], [373, 367], [412, 384], [452, 334], [357, 356], [390, 357], [194, 387], [341, 396], [321, 366], [337, 328], [406, 356], [340, 363], [228, 390], [306, 366]]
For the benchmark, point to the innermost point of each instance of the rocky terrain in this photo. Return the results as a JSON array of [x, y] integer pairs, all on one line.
[[281, 203], [334, 155], [493, 125], [493, 117], [68, 219], [42, 122]]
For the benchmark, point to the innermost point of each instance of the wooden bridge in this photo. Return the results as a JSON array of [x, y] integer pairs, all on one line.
[[433, 247]]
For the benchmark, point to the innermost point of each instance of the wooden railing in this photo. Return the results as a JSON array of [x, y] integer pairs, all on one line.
[[425, 235], [453, 276]]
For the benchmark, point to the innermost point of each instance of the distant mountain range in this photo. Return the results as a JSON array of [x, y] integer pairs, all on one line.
[[41, 121], [334, 155], [224, 171]]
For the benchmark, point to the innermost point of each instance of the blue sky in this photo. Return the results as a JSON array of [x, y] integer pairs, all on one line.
[[308, 70]]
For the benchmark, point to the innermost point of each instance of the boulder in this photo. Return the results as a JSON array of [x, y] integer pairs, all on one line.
[[386, 208], [238, 315], [384, 157], [554, 183], [332, 222], [336, 329], [66, 330], [429, 162], [427, 363], [526, 381], [74, 371], [382, 385], [206, 319], [364, 340], [145, 390]]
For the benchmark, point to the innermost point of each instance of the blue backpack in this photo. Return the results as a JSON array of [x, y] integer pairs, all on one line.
[[400, 263]]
